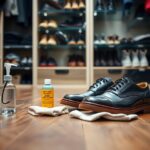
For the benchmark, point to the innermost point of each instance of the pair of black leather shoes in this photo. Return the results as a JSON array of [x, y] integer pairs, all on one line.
[[123, 96]]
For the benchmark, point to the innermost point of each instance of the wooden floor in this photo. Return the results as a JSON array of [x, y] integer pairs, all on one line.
[[26, 132]]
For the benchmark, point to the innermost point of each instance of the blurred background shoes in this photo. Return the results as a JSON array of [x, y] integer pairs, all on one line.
[[135, 58], [76, 60], [74, 5], [48, 24]]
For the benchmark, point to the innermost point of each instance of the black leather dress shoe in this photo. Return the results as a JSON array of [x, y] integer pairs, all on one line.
[[123, 97], [99, 87]]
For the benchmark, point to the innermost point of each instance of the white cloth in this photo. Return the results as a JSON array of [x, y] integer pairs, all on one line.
[[55, 111], [83, 115], [90, 116]]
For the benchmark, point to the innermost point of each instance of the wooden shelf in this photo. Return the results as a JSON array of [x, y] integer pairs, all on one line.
[[121, 68], [62, 68]]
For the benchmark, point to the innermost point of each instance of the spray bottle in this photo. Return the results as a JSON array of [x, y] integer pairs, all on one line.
[[8, 97]]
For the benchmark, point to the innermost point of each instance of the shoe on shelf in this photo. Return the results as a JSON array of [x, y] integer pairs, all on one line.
[[99, 6], [29, 61], [24, 62], [72, 61], [61, 37], [68, 5], [125, 96], [80, 61], [51, 62], [96, 40], [110, 40], [72, 41], [52, 24], [110, 5], [46, 8], [135, 59], [52, 41], [12, 58], [54, 3], [75, 5], [80, 42], [102, 40], [126, 60], [44, 24], [143, 58], [116, 39], [81, 4], [99, 87], [43, 40]]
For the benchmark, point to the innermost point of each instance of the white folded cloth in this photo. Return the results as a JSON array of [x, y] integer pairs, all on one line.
[[83, 115], [90, 116], [55, 111]]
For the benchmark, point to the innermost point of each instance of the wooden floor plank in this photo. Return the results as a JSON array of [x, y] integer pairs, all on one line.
[[115, 135], [63, 134]]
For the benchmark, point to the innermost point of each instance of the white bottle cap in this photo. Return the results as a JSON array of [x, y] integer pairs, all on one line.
[[47, 81]]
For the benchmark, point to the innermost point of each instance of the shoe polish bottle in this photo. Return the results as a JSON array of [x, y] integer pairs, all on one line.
[[8, 94], [47, 94]]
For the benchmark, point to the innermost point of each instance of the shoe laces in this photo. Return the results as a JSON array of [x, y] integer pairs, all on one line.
[[118, 84], [97, 83]]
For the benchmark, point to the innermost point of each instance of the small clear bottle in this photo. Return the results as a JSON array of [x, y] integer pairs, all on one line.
[[9, 100], [47, 94], [8, 94]]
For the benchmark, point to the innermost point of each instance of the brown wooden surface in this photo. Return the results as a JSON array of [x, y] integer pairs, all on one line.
[[26, 132]]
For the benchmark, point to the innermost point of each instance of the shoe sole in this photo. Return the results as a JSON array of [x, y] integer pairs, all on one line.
[[145, 108], [69, 102]]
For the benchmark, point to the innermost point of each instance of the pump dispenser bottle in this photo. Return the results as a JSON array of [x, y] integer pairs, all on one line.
[[8, 97]]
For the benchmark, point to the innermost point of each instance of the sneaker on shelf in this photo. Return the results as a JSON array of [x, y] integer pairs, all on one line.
[[135, 59], [102, 40], [116, 39], [110, 40], [126, 60], [24, 62], [143, 58], [29, 61], [96, 40], [12, 58]]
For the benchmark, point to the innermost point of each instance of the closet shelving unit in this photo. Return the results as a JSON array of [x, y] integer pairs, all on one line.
[[61, 75], [112, 23]]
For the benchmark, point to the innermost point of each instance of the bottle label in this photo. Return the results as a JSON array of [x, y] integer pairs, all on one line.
[[47, 97]]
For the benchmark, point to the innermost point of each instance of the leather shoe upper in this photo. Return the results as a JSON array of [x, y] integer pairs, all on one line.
[[124, 93], [99, 87]]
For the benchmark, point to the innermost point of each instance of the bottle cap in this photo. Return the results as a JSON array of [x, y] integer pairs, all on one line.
[[47, 81], [8, 77]]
